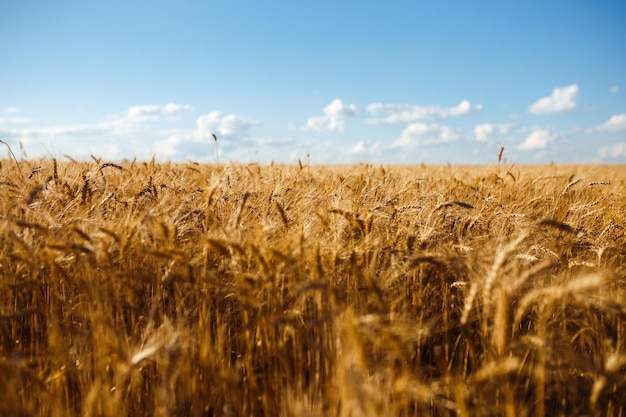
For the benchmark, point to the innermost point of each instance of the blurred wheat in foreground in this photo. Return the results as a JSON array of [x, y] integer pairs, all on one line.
[[145, 289]]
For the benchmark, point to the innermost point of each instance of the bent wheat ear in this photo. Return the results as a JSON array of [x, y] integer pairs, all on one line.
[[217, 155], [557, 225], [14, 159], [33, 194]]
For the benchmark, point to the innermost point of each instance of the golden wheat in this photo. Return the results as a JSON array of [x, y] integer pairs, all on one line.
[[139, 288]]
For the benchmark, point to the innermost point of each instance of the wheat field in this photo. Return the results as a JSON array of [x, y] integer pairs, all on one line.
[[162, 289]]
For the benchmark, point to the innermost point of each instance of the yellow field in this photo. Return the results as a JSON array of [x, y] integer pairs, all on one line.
[[245, 290]]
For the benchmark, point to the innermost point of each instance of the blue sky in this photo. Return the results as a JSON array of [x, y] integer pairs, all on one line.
[[341, 81]]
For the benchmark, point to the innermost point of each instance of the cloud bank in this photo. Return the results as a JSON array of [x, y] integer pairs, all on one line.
[[407, 113], [562, 100], [538, 139], [229, 125], [617, 123], [616, 151], [152, 112], [483, 131], [173, 132], [422, 134], [333, 119]]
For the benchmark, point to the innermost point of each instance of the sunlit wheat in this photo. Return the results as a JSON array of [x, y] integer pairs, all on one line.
[[140, 289]]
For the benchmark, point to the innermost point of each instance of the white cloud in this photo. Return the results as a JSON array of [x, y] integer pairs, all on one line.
[[536, 140], [333, 118], [337, 109], [198, 144], [11, 110], [77, 139], [168, 148], [407, 113], [483, 131], [421, 134], [614, 89], [171, 108], [617, 122], [112, 126], [152, 112], [616, 151], [562, 100], [134, 133], [271, 141], [359, 147], [142, 113], [14, 120], [52, 131], [366, 149], [224, 125]]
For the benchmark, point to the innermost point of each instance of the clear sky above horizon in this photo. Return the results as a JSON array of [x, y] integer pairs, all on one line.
[[343, 82]]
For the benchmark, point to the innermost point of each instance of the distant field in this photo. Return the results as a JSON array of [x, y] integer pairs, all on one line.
[[145, 289]]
